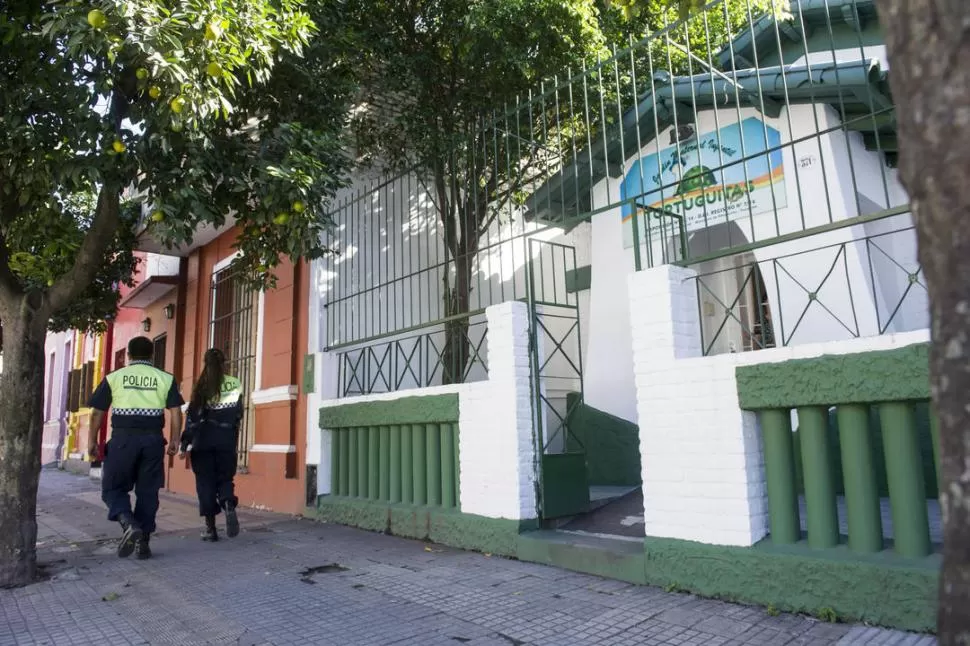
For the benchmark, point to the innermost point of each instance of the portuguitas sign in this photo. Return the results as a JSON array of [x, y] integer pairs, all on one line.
[[730, 174]]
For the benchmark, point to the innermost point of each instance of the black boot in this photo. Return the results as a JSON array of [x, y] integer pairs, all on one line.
[[210, 534], [232, 520], [142, 549], [131, 534]]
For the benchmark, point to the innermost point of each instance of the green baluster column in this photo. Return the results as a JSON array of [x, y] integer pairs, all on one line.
[[859, 475], [362, 459], [456, 432], [904, 471], [419, 464], [821, 511], [373, 462], [335, 462], [780, 476], [385, 464], [448, 465], [935, 438], [353, 462], [407, 465], [395, 470], [434, 464], [345, 461]]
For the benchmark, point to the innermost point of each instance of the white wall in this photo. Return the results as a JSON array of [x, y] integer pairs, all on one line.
[[496, 443], [608, 365], [703, 466]]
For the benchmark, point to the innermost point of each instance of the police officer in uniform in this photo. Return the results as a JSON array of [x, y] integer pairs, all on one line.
[[211, 435], [138, 396]]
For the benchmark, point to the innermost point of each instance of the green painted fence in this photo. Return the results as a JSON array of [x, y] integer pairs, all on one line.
[[402, 451], [854, 457]]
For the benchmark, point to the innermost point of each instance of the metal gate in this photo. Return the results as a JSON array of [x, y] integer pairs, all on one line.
[[555, 348], [232, 329]]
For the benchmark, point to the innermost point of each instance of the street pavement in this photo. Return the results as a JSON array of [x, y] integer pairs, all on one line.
[[289, 580]]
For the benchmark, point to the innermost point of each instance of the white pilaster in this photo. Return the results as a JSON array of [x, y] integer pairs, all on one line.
[[496, 444], [703, 476]]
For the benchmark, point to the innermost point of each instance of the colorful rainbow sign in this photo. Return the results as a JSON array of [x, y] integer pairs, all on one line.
[[719, 176]]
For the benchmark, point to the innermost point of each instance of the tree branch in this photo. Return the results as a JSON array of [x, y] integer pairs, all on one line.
[[445, 209], [90, 257], [9, 285], [503, 198]]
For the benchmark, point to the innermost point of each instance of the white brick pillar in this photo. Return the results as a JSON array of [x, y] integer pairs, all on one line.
[[496, 444], [703, 475]]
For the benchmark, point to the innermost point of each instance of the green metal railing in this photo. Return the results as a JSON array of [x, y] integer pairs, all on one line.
[[410, 464], [731, 129], [414, 361], [813, 290]]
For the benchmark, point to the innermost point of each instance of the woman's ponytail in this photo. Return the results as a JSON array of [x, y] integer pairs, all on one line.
[[209, 385]]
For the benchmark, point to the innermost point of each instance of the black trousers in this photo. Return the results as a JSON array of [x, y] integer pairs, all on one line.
[[133, 461], [214, 471]]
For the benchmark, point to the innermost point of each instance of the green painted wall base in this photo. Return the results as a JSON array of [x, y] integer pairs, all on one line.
[[881, 589], [442, 526]]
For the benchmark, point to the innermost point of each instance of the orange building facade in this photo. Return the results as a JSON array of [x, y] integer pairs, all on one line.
[[264, 337]]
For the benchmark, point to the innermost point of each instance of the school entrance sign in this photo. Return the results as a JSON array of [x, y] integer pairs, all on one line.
[[710, 179]]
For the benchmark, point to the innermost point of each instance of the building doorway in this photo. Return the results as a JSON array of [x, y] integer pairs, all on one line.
[[733, 299]]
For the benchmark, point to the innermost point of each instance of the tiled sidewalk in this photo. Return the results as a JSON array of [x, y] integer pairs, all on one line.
[[293, 581]]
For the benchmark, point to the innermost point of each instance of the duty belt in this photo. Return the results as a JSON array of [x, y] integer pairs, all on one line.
[[116, 432]]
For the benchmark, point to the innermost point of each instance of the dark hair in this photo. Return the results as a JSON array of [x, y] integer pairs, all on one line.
[[209, 384], [141, 349]]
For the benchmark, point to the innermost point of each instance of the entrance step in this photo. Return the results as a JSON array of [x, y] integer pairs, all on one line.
[[613, 557]]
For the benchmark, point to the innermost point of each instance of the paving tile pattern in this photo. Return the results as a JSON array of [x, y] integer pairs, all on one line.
[[292, 581]]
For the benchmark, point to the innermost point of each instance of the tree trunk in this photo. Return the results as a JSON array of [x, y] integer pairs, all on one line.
[[455, 354], [929, 43], [21, 404]]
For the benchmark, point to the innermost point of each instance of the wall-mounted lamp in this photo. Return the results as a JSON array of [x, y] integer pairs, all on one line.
[[169, 311], [146, 325]]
